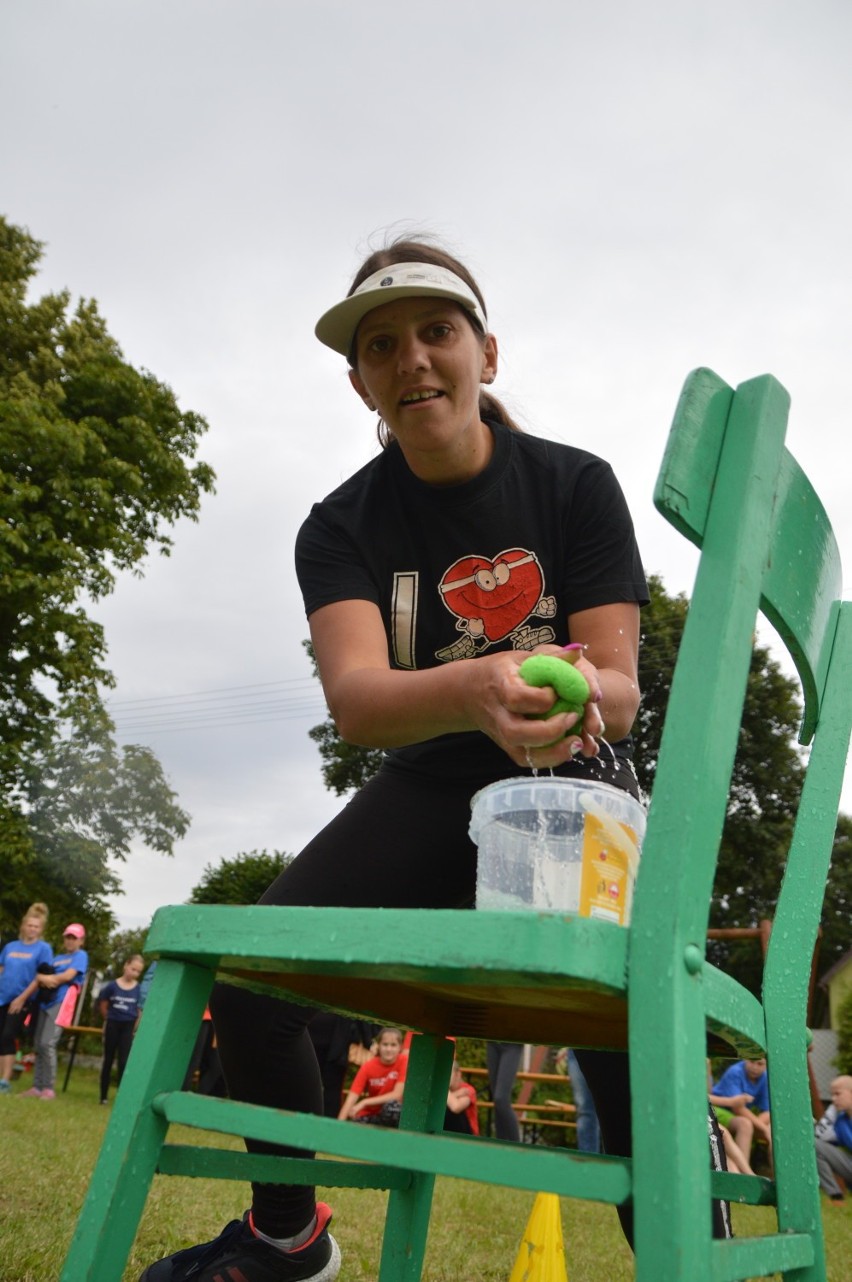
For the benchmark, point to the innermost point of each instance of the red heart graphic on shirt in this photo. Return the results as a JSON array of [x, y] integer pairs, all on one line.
[[496, 595]]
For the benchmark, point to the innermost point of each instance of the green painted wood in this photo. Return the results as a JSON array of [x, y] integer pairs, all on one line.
[[733, 1014], [802, 581], [135, 1133], [738, 525], [802, 584], [748, 1190], [516, 990], [760, 1256], [478, 946], [228, 1164], [489, 1162], [786, 979], [728, 484], [427, 1081], [687, 473]]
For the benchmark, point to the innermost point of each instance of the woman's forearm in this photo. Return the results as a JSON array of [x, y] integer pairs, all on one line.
[[386, 708]]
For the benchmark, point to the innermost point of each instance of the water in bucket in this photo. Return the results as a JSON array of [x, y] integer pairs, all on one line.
[[557, 845]]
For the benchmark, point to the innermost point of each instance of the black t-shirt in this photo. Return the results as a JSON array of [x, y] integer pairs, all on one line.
[[498, 562]]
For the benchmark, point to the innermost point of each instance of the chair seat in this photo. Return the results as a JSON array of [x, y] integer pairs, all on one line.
[[508, 976]]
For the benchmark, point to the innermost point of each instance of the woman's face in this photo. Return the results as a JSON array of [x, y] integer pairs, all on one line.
[[421, 364], [71, 943], [32, 928]]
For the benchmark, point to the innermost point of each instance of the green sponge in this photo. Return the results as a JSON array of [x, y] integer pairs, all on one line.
[[571, 687]]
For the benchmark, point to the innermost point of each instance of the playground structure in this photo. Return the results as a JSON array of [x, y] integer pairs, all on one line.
[[729, 485]]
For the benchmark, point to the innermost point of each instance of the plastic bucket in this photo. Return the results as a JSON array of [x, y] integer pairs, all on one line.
[[557, 845]]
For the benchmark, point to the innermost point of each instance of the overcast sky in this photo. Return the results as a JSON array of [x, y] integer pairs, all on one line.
[[639, 188]]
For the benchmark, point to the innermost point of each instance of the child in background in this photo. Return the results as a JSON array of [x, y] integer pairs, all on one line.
[[741, 1100], [461, 1115], [833, 1139], [118, 1003], [381, 1082], [19, 963], [68, 967]]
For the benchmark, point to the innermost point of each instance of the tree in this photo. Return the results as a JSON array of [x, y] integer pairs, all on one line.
[[122, 945], [241, 880], [843, 1062], [765, 789], [95, 466]]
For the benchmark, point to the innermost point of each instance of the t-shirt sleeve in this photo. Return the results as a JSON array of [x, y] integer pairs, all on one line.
[[727, 1084], [603, 565], [359, 1081], [843, 1129], [329, 566]]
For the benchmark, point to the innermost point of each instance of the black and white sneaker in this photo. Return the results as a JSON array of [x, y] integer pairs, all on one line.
[[237, 1255]]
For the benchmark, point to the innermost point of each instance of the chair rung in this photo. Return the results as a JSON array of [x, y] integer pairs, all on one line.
[[748, 1257], [748, 1190], [266, 1168], [598, 1179]]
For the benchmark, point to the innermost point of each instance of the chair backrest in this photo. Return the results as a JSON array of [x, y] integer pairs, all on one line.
[[728, 483], [730, 486]]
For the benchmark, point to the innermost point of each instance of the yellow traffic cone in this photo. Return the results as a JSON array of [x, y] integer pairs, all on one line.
[[542, 1254]]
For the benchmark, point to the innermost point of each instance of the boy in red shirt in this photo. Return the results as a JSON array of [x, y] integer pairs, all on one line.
[[380, 1081]]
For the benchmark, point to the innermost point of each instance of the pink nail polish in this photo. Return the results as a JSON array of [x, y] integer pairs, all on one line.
[[575, 645]]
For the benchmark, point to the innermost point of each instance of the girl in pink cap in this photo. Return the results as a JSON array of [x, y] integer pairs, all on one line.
[[69, 966]]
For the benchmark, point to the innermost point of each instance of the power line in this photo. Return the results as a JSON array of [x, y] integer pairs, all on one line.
[[219, 708], [231, 691]]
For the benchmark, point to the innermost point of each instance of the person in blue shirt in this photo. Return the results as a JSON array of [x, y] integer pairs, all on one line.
[[118, 1003], [19, 962], [744, 1090], [69, 967], [833, 1139]]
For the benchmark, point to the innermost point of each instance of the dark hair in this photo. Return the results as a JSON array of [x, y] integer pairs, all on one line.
[[404, 249]]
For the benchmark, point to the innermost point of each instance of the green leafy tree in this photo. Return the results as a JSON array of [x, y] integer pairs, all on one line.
[[843, 1062], [765, 789], [96, 464], [241, 880], [121, 945]]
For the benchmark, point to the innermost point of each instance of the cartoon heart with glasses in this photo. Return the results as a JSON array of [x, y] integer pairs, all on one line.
[[492, 599]]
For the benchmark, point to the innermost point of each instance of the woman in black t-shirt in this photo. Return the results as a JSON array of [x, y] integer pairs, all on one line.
[[428, 577]]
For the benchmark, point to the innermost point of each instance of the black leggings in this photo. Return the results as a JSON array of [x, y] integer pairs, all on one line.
[[401, 842], [118, 1039]]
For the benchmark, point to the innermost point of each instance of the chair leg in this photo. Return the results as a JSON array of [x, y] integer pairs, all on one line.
[[135, 1135], [797, 1187], [424, 1106]]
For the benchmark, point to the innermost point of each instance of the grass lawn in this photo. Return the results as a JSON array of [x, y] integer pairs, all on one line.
[[48, 1150]]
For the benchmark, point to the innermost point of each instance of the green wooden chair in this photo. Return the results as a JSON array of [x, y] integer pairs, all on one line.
[[729, 485]]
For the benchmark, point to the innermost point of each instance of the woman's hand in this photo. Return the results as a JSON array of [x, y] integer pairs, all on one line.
[[509, 711], [376, 706]]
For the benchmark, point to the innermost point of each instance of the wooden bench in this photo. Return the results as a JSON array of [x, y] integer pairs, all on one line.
[[531, 1117]]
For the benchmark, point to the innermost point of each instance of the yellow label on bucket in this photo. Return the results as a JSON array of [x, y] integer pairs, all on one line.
[[605, 880]]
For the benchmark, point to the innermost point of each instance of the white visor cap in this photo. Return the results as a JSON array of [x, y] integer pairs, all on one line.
[[336, 327]]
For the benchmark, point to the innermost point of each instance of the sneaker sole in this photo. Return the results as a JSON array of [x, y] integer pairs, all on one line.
[[331, 1270]]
